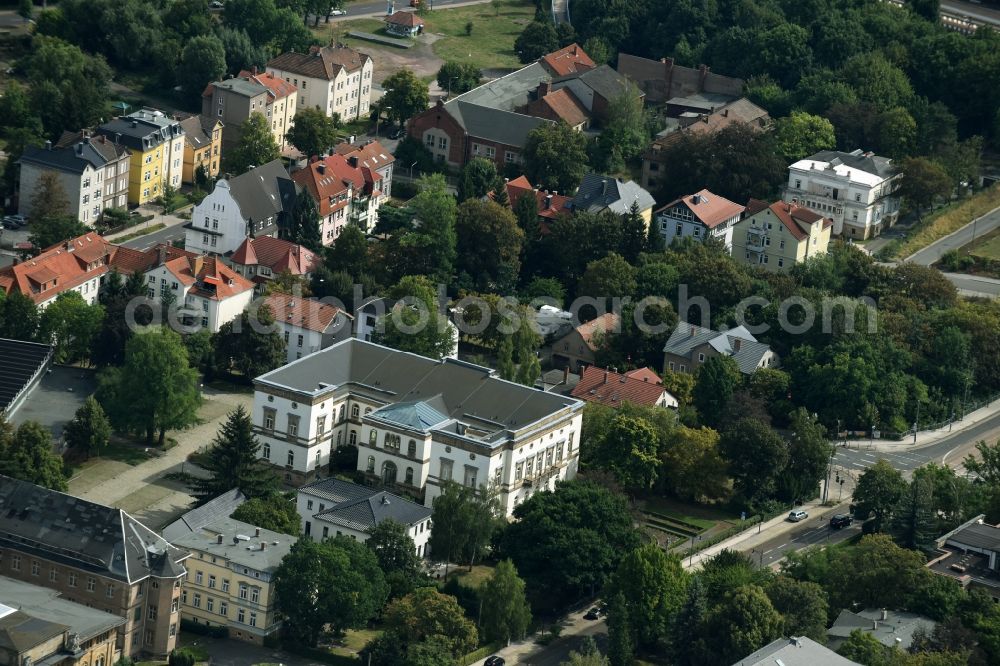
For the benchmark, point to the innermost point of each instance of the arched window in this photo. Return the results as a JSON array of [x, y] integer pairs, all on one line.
[[340, 415], [411, 449], [373, 438], [388, 472], [371, 464], [355, 411], [409, 476], [353, 439]]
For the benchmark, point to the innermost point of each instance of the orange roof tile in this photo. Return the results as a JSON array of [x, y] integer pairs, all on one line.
[[603, 324], [330, 178], [277, 87], [59, 268], [795, 218], [644, 375], [612, 389], [372, 154], [711, 209], [409, 19], [564, 104], [547, 208], [307, 313], [568, 60]]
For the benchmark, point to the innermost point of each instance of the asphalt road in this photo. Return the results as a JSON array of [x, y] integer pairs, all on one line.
[[363, 7], [557, 652], [972, 10], [960, 238], [813, 530], [167, 236]]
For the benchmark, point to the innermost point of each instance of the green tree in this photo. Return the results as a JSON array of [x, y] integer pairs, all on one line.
[[415, 324], [336, 582], [71, 325], [693, 469], [488, 245], [876, 573], [203, 60], [314, 132], [582, 525], [241, 53], [756, 455], [630, 450], [49, 231], [233, 462], [425, 614], [545, 288], [802, 604], [505, 612], [863, 648], [801, 134], [251, 343], [15, 108], [879, 490], [716, 381], [686, 638], [809, 453], [256, 146], [18, 317], [555, 157], [621, 635], [537, 39], [742, 623], [598, 49], [588, 655], [48, 199], [924, 181], [877, 81], [478, 177], [89, 430], [25, 9], [27, 455], [405, 95], [610, 277], [68, 87], [397, 556], [304, 226], [895, 132], [913, 518], [626, 133], [428, 248], [653, 585], [464, 519], [272, 511], [505, 358], [155, 390], [458, 77], [349, 252]]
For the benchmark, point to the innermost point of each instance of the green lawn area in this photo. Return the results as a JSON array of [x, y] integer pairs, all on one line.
[[948, 219], [355, 640], [474, 578], [987, 247], [696, 514], [491, 43]]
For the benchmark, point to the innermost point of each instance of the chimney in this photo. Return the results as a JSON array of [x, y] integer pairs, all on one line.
[[691, 331], [565, 375], [135, 123], [79, 148], [353, 161], [885, 614], [605, 377], [544, 88], [548, 201], [725, 113], [218, 539], [162, 255], [604, 187], [48, 145], [736, 344], [256, 531], [874, 625], [263, 545], [321, 167]]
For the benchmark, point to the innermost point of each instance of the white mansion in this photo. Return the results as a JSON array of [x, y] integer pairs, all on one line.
[[417, 422]]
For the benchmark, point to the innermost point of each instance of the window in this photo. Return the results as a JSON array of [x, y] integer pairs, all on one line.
[[197, 601], [255, 594], [173, 606], [519, 471], [442, 143], [409, 476], [559, 453], [211, 582], [798, 184], [428, 140], [857, 197], [391, 442], [137, 615], [529, 465], [184, 596], [293, 425], [266, 451], [34, 567], [210, 604], [470, 476], [72, 579], [224, 609], [240, 615], [300, 341], [509, 157], [173, 629], [353, 438], [355, 411], [373, 438], [253, 619], [198, 577], [340, 414], [411, 449], [371, 464], [701, 358], [225, 585], [91, 583], [53, 575], [151, 613], [446, 467], [326, 532], [290, 459], [244, 591], [781, 262]]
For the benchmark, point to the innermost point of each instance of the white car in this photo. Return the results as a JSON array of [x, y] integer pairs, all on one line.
[[338, 12], [797, 515]]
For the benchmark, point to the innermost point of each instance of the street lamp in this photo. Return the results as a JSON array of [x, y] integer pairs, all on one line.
[[691, 554], [411, 170]]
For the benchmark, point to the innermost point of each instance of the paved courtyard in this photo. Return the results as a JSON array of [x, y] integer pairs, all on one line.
[[55, 400]]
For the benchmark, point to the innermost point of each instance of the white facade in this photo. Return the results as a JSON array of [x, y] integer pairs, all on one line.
[[301, 341], [206, 312], [860, 203], [348, 93], [173, 161], [678, 222], [85, 192], [217, 224]]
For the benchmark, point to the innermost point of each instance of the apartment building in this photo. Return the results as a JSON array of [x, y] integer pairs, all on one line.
[[97, 556], [334, 79], [344, 192], [370, 155], [308, 324], [700, 216], [417, 422], [233, 100], [202, 147], [207, 293], [779, 235], [857, 190], [93, 172], [231, 577], [157, 145]]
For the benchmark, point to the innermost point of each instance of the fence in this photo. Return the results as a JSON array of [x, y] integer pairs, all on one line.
[[968, 408]]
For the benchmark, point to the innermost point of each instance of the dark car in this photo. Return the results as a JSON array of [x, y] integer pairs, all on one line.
[[841, 520], [398, 134], [494, 661], [593, 614]]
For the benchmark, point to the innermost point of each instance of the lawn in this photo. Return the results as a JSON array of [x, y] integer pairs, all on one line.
[[141, 232], [949, 219], [472, 579], [696, 514], [354, 640], [987, 247], [491, 44]]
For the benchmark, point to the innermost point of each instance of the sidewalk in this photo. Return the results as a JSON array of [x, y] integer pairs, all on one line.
[[926, 438], [166, 219]]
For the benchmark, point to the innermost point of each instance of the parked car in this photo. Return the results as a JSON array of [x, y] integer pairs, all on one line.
[[398, 134], [14, 221], [494, 661], [338, 12], [841, 520], [593, 614], [797, 515]]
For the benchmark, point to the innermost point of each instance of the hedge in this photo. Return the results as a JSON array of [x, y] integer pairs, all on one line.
[[203, 629], [320, 654]]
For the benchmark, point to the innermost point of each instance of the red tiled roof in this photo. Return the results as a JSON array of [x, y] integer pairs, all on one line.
[[564, 104], [603, 324], [549, 209], [208, 270], [59, 268], [244, 254], [321, 62], [568, 60], [327, 179], [278, 87], [372, 154], [645, 375], [792, 216], [612, 389], [307, 313], [409, 19], [277, 254], [711, 209]]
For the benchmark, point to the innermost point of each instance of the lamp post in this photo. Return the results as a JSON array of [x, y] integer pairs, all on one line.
[[691, 553], [411, 170]]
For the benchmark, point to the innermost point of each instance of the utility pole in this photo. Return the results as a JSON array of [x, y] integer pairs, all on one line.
[[916, 423]]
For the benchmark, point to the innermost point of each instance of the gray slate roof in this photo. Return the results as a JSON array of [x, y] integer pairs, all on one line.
[[240, 544], [241, 86], [491, 407], [873, 164], [603, 80], [983, 536], [38, 613], [800, 651], [687, 337], [497, 125], [74, 158], [361, 508], [22, 361], [263, 192], [83, 534], [222, 506], [599, 193], [896, 625], [142, 130]]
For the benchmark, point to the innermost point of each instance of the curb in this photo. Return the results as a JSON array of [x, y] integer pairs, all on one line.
[[944, 238]]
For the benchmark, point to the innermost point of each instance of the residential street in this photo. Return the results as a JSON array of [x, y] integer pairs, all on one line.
[[814, 530], [378, 7], [960, 238]]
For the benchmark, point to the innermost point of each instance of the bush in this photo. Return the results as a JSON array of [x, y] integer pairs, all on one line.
[[203, 629], [953, 261], [181, 657], [322, 655]]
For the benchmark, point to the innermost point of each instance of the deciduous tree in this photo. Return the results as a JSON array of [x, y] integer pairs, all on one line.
[[924, 181], [304, 226], [415, 323], [89, 430], [397, 556], [537, 39], [745, 621], [251, 343], [801, 134], [653, 586], [405, 94], [716, 380], [273, 511], [203, 60], [256, 146], [505, 614], [802, 604], [425, 614], [555, 157], [478, 177], [458, 77], [71, 325], [693, 469], [879, 490], [314, 132], [488, 245], [757, 457], [27, 454]]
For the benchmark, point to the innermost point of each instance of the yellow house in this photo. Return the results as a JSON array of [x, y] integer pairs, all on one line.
[[202, 146], [157, 145], [230, 582], [777, 236]]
